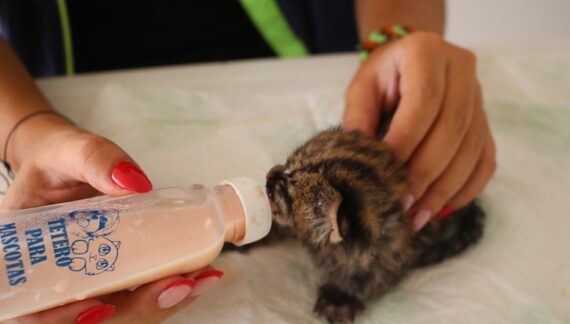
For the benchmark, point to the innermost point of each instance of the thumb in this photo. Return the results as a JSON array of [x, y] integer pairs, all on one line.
[[104, 165]]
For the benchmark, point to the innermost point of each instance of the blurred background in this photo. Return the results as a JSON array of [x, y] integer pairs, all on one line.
[[474, 22]]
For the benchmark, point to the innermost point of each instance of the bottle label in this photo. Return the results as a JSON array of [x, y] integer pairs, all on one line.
[[80, 241]]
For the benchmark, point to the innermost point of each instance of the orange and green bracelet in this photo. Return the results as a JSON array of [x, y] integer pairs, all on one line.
[[379, 37]]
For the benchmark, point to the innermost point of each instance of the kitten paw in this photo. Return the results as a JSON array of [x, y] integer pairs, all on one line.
[[337, 306]]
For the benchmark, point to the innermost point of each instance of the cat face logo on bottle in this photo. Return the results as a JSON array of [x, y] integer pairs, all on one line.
[[93, 252]]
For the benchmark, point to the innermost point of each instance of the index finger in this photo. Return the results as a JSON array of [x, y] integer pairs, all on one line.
[[422, 87], [362, 107]]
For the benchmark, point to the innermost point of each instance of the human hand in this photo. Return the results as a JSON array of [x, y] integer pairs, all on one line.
[[439, 129], [58, 162], [149, 303]]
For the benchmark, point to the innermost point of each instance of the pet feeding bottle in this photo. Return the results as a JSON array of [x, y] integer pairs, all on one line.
[[62, 253]]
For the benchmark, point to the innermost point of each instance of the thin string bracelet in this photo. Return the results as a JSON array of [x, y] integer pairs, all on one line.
[[4, 159]]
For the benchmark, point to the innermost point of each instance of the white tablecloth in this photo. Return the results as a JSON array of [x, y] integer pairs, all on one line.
[[205, 123]]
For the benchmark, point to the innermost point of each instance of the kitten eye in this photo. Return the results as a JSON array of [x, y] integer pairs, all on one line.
[[104, 249], [102, 264]]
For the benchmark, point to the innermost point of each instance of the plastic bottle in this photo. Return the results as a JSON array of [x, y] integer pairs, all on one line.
[[61, 253]]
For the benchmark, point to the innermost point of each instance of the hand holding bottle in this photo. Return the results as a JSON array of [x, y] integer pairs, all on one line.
[[150, 303], [58, 162]]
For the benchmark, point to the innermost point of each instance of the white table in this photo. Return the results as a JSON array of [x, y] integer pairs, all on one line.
[[204, 123]]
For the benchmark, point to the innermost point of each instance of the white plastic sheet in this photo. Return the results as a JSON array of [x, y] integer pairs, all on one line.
[[204, 124]]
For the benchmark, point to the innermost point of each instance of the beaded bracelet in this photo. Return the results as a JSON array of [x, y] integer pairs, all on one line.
[[381, 36]]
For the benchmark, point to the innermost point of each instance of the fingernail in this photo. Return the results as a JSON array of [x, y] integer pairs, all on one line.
[[206, 280], [128, 176], [421, 219], [444, 212], [95, 315], [175, 293], [408, 202]]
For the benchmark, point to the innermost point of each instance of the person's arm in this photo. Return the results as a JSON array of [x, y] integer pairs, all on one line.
[[439, 129], [425, 15], [48, 143], [56, 161], [19, 97]]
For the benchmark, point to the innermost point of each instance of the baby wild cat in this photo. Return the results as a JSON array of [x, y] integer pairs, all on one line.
[[340, 194]]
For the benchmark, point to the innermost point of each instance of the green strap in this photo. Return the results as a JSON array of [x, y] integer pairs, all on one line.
[[66, 32], [267, 17]]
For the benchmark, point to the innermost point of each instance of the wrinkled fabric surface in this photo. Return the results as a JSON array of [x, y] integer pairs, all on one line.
[[206, 123]]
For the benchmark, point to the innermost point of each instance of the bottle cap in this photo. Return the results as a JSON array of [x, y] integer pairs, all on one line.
[[256, 206]]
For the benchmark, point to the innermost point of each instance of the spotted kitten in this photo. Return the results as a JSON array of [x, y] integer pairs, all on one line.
[[340, 194]]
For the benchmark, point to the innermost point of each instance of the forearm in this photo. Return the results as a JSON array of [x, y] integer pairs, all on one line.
[[19, 97], [426, 15]]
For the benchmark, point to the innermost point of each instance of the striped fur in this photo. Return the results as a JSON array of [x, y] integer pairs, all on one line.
[[341, 195]]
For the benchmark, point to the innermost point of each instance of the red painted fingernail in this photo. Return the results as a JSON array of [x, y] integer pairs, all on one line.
[[444, 212], [95, 315], [205, 280], [128, 176], [175, 293]]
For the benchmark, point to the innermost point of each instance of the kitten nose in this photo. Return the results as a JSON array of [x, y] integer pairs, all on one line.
[[275, 172]]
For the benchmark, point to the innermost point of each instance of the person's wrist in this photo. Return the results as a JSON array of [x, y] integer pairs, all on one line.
[[33, 134], [379, 37]]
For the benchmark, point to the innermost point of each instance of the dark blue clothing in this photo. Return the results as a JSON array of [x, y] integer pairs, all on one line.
[[325, 26], [119, 34], [32, 28]]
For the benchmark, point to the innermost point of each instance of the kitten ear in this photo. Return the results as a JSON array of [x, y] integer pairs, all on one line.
[[332, 215]]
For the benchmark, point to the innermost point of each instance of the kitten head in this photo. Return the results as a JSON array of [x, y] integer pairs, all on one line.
[[338, 188], [305, 202]]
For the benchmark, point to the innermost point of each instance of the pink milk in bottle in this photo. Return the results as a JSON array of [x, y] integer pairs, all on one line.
[[57, 254]]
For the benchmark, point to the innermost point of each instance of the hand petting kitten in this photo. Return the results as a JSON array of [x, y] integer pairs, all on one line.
[[439, 129]]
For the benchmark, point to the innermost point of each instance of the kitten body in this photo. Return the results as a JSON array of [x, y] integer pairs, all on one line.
[[341, 194]]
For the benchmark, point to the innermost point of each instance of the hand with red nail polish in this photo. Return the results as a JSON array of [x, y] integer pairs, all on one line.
[[62, 162], [156, 301], [56, 162], [153, 302], [438, 128]]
